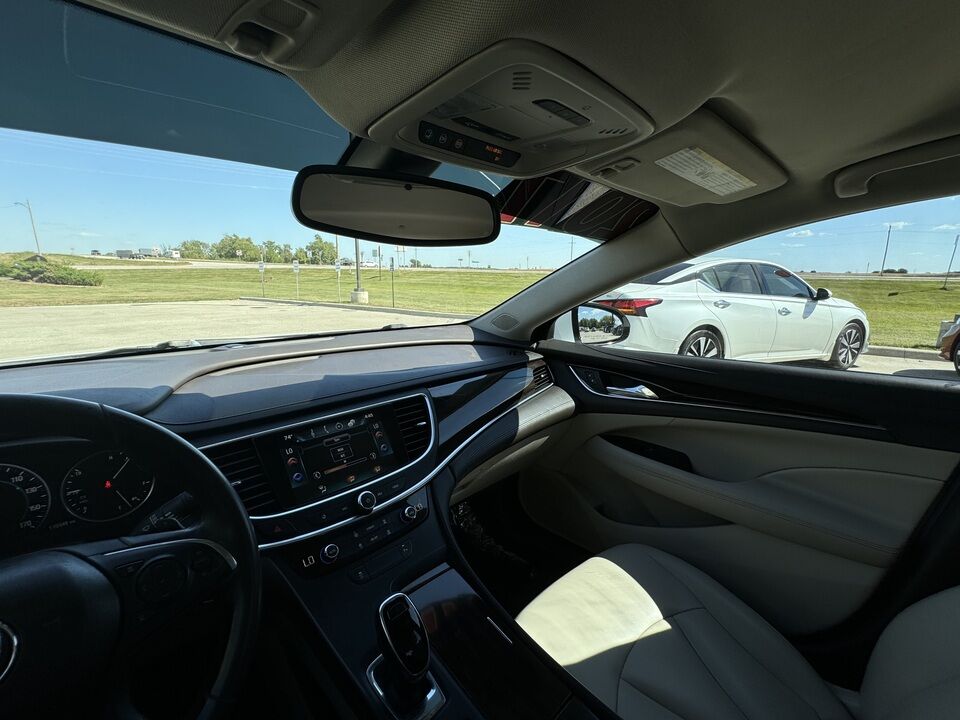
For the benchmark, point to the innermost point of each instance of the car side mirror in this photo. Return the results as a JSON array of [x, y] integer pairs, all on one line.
[[595, 324], [823, 294]]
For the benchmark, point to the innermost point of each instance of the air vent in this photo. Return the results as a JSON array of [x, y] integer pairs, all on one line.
[[541, 376], [241, 465], [522, 79], [414, 421], [613, 131]]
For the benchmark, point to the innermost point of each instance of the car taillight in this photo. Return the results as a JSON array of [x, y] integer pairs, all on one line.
[[632, 306]]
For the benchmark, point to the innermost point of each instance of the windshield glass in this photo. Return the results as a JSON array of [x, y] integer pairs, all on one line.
[[145, 198]]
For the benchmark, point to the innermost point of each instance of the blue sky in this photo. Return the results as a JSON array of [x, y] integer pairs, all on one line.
[[91, 195]]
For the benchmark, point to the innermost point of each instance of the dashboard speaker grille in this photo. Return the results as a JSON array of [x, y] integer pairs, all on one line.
[[541, 376], [414, 421], [241, 465]]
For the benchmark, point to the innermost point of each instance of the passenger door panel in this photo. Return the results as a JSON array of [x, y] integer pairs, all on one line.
[[796, 488]]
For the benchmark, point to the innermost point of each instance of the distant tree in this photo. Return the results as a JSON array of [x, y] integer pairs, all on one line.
[[321, 252], [194, 249], [228, 246], [414, 263], [902, 271]]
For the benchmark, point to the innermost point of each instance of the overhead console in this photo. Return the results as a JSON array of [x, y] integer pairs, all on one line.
[[517, 108], [699, 160]]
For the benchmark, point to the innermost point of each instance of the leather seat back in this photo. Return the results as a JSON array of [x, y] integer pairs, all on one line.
[[914, 671]]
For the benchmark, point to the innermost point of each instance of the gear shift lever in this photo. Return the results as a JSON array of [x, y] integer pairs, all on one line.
[[403, 639], [401, 676]]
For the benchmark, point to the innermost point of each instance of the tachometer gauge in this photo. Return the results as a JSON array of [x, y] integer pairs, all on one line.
[[24, 499], [105, 486]]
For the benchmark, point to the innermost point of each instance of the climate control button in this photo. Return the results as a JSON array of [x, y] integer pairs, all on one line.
[[330, 553]]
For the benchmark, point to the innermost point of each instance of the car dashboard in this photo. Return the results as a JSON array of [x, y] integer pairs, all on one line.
[[344, 452]]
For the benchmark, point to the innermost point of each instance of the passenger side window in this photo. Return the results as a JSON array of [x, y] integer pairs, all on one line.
[[709, 276], [783, 283], [738, 278]]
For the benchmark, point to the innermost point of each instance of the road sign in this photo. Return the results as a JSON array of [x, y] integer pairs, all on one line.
[[336, 266], [260, 266], [296, 266]]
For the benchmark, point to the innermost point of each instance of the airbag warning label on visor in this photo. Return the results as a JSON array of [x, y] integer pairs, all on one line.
[[701, 168]]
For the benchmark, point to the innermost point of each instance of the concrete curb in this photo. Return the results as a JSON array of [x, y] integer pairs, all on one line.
[[903, 353], [368, 308]]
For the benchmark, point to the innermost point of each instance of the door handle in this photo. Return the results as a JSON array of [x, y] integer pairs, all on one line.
[[638, 392], [784, 311], [721, 304]]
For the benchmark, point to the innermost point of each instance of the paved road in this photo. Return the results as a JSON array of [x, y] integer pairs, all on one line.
[[60, 330], [927, 369]]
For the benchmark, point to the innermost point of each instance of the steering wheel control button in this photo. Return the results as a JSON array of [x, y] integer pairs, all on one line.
[[367, 501], [129, 569], [204, 560], [161, 579], [330, 553]]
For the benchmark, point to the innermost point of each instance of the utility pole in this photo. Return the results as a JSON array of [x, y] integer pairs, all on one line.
[[571, 247], [32, 224], [885, 248], [468, 260], [950, 266]]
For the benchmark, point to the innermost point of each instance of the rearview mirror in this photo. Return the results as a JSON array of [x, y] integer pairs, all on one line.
[[594, 324], [823, 294], [393, 207]]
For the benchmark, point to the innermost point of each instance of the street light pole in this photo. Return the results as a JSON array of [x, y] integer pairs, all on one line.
[[950, 265], [33, 225], [885, 248]]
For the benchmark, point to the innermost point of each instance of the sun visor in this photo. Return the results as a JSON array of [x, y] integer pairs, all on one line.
[[517, 108], [701, 160]]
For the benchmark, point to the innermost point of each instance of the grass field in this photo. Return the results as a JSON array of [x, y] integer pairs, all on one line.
[[84, 260], [909, 318], [447, 291]]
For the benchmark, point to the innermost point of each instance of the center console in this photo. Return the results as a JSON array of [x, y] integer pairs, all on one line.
[[350, 510]]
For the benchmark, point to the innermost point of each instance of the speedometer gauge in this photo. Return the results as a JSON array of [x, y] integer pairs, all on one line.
[[105, 486], [24, 499]]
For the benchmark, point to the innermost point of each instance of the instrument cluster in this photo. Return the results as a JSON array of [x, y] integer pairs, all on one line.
[[62, 491]]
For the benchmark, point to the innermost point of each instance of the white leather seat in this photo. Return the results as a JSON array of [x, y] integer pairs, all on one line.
[[655, 638]]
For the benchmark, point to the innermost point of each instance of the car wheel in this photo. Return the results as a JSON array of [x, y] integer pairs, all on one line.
[[703, 343], [847, 348]]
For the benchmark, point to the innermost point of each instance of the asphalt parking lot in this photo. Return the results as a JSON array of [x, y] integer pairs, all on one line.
[[66, 329], [62, 330]]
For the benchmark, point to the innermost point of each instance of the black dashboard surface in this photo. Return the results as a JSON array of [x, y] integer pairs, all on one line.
[[142, 383]]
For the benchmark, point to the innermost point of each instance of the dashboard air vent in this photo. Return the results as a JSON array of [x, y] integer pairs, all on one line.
[[414, 422], [541, 376], [241, 465]]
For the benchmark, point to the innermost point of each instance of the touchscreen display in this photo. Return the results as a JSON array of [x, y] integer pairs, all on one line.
[[333, 456]]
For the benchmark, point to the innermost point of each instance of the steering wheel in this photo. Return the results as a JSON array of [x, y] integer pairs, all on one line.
[[71, 617]]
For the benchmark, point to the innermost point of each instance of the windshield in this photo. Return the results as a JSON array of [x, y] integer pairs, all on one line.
[[145, 198]]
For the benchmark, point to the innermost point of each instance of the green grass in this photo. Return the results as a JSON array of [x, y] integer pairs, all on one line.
[[451, 291], [910, 318], [84, 260]]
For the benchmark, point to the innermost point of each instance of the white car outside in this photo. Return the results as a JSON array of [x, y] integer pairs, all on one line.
[[739, 309]]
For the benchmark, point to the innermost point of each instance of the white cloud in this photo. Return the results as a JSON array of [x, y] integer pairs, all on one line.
[[793, 245], [917, 253], [826, 234], [801, 233], [948, 226], [899, 225], [85, 233], [774, 254]]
